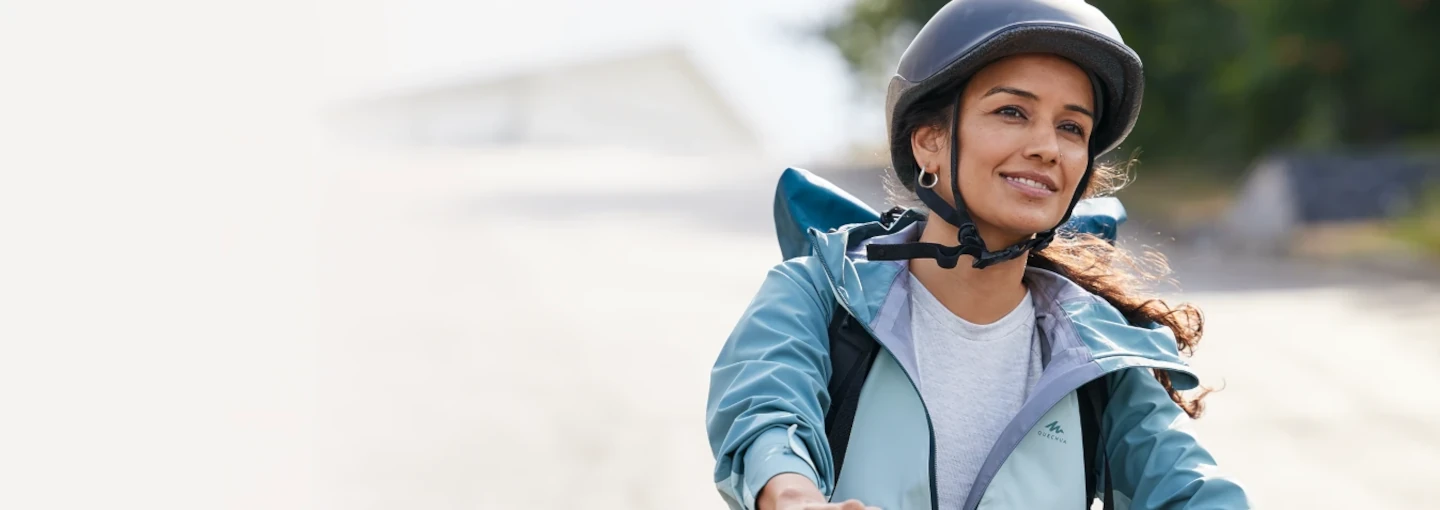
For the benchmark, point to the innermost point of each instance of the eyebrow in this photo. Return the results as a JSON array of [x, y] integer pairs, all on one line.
[[1031, 95]]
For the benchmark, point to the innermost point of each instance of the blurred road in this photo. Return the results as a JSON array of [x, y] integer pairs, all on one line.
[[545, 341]]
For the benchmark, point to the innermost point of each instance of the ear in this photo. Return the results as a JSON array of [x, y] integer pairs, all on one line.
[[927, 143]]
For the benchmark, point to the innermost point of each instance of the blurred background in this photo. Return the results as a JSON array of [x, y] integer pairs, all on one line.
[[446, 254]]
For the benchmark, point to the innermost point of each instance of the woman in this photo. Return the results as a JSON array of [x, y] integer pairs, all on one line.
[[991, 351]]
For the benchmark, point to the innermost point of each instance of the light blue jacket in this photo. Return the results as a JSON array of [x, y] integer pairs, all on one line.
[[767, 402]]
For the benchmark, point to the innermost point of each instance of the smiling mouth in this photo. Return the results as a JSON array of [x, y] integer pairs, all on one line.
[[1029, 183]]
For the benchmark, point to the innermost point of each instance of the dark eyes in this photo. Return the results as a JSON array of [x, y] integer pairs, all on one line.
[[1010, 111], [1016, 113]]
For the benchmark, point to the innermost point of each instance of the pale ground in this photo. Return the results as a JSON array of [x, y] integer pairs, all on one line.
[[535, 330], [530, 349]]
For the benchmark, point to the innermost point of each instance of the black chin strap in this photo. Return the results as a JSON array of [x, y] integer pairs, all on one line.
[[969, 239]]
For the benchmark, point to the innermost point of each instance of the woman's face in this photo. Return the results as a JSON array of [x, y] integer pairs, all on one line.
[[1025, 124]]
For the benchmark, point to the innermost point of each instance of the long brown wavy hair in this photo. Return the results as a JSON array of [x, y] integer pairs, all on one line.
[[1121, 278], [1127, 283]]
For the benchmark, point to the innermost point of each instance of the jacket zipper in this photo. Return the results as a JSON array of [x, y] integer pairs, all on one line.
[[975, 488], [1026, 428], [929, 424]]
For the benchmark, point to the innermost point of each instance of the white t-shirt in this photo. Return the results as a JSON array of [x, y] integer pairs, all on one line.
[[973, 379]]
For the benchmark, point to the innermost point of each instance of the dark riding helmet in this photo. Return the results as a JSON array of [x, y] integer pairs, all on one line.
[[966, 35]]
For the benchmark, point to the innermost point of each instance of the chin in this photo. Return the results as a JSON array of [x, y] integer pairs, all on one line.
[[1025, 225]]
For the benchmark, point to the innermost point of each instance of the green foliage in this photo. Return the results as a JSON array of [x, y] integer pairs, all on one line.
[[1229, 79], [1421, 228]]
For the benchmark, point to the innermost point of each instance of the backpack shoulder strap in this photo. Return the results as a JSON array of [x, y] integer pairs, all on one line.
[[1094, 396], [852, 353]]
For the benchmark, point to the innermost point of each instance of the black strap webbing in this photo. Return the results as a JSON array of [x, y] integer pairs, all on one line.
[[1094, 396], [852, 353]]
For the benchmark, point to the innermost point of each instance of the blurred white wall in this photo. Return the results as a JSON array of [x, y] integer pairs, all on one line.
[[653, 99], [1265, 212]]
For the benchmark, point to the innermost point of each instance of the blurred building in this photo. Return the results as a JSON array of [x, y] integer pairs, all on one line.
[[655, 99], [1293, 201]]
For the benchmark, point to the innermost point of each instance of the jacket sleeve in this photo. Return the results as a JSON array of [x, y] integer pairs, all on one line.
[[765, 413], [1156, 459]]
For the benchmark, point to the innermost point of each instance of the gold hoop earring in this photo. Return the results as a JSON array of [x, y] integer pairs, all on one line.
[[934, 179]]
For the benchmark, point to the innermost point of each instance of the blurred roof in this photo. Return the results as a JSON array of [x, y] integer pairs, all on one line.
[[501, 67], [654, 95]]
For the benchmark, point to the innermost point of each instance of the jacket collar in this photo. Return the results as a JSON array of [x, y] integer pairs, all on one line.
[[876, 293]]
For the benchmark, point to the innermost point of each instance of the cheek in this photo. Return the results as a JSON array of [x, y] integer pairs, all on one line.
[[983, 154], [977, 161], [977, 172], [1073, 168]]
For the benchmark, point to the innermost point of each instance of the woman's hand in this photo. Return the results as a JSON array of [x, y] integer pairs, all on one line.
[[789, 491]]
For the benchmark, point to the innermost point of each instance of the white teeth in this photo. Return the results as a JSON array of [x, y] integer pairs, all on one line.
[[1029, 182]]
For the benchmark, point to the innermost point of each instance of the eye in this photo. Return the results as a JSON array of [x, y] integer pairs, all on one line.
[[1010, 111], [1073, 128]]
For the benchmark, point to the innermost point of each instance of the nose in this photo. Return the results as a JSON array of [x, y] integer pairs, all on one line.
[[1044, 144]]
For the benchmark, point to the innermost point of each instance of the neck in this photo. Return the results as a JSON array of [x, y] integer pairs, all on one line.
[[980, 296]]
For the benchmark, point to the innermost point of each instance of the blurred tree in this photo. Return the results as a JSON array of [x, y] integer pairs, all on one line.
[[1229, 79]]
